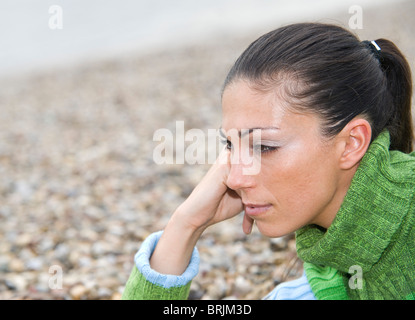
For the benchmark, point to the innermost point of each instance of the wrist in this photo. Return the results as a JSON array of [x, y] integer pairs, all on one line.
[[175, 246], [184, 221]]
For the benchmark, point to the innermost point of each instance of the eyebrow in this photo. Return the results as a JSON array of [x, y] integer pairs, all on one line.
[[249, 131]]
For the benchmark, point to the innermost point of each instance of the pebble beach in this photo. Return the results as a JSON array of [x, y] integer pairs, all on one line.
[[79, 188]]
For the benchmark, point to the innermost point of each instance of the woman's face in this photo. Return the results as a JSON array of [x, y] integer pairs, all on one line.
[[299, 174]]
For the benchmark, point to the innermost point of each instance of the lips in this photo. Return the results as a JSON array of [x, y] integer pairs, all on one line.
[[256, 209]]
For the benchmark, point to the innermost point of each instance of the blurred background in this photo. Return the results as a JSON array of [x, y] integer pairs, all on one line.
[[83, 87]]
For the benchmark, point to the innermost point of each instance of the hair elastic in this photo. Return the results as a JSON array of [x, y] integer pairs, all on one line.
[[373, 42], [373, 47]]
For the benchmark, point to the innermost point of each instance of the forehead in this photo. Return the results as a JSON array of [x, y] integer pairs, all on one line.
[[244, 107]]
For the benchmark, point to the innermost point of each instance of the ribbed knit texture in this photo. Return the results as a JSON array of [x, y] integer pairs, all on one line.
[[139, 288], [145, 283], [373, 230]]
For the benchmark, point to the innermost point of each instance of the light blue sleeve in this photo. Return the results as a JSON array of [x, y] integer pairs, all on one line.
[[142, 262], [298, 289]]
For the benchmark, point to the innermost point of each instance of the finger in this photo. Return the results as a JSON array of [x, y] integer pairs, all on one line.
[[247, 224], [223, 157]]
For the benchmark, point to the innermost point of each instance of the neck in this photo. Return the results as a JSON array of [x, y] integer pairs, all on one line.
[[326, 217]]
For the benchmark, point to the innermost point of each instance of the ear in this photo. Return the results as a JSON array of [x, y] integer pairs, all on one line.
[[356, 137]]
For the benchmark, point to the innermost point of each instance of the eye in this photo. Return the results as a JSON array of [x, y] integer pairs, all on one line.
[[227, 143], [264, 148]]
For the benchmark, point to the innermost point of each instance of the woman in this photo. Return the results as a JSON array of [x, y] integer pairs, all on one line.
[[334, 115]]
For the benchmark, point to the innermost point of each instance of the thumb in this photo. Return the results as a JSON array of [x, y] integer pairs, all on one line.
[[247, 224]]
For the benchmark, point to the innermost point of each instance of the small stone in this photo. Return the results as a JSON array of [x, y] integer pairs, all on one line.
[[16, 282], [104, 293], [278, 244], [35, 263], [62, 251], [116, 296], [109, 282], [242, 286], [217, 289], [16, 265], [78, 292], [23, 239], [4, 264]]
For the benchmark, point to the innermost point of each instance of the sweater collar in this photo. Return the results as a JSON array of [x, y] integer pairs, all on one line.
[[369, 216]]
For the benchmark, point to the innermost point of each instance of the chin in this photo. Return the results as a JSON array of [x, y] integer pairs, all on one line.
[[273, 231]]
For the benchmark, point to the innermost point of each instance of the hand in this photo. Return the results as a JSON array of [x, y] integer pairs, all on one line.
[[210, 202]]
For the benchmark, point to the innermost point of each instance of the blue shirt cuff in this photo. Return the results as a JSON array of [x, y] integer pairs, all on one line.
[[298, 289], [142, 262]]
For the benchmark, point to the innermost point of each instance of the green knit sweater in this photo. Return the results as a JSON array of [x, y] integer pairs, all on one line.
[[369, 250]]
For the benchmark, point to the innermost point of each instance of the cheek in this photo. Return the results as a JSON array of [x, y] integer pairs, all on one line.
[[298, 178]]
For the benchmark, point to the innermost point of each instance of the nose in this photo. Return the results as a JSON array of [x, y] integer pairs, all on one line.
[[238, 178]]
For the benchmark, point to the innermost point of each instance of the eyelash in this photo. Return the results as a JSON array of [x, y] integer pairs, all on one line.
[[267, 149], [264, 149]]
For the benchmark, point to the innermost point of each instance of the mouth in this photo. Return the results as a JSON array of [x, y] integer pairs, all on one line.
[[256, 209]]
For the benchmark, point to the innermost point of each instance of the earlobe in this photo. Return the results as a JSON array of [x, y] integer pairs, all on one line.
[[357, 135]]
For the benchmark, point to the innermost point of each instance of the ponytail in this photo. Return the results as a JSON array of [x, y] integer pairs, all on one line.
[[399, 84]]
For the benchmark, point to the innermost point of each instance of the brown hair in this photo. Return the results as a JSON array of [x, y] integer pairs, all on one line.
[[328, 70]]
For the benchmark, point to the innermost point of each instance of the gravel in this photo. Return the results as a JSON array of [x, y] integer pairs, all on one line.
[[79, 190]]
